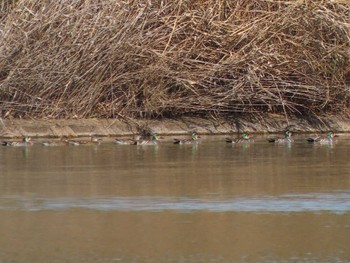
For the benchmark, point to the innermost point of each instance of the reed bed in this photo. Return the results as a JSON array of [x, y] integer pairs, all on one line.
[[138, 58]]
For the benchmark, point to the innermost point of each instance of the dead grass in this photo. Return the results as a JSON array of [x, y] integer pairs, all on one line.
[[139, 58]]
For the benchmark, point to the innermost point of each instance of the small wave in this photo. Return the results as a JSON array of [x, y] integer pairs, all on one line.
[[330, 202]]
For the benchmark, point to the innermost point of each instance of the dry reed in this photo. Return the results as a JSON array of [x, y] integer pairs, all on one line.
[[137, 58]]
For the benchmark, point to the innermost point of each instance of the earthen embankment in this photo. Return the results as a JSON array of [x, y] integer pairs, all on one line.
[[17, 128]]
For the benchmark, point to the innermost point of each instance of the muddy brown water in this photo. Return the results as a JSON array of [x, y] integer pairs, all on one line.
[[212, 202]]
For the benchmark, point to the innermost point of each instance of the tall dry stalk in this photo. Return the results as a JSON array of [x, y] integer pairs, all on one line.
[[153, 58]]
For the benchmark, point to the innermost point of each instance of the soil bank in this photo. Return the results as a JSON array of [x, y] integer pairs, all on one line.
[[269, 123]]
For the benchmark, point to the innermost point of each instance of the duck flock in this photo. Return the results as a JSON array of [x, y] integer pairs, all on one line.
[[153, 139]]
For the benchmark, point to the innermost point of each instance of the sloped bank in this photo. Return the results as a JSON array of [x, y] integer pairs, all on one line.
[[271, 123]]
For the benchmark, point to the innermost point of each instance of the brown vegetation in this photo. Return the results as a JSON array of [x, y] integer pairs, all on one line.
[[138, 58]]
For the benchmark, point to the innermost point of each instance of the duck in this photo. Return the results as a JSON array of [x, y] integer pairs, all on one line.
[[244, 138], [128, 141], [139, 140], [63, 141], [288, 138], [193, 140], [54, 143], [26, 141], [319, 139], [153, 141], [93, 140]]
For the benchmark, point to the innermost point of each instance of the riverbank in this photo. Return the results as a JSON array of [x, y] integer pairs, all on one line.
[[269, 123]]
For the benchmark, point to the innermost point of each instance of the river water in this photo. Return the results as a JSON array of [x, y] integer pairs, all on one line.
[[212, 202]]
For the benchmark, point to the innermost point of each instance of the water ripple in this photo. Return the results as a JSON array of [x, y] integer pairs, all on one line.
[[338, 203]]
